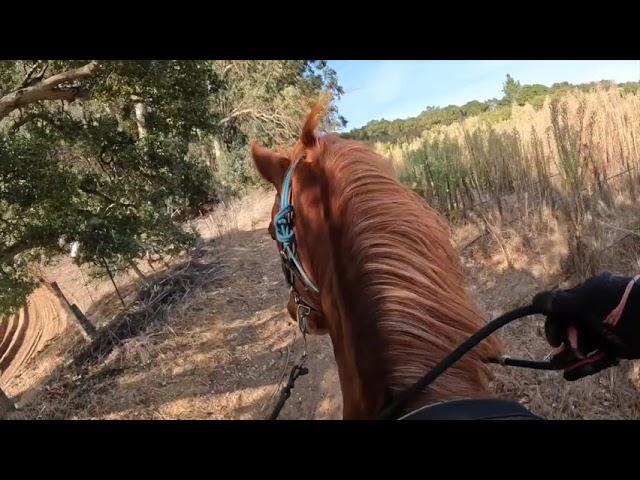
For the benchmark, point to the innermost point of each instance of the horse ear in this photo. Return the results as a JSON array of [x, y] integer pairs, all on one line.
[[271, 166], [308, 136]]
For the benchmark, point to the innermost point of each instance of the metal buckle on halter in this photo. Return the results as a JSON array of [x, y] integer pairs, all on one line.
[[302, 313]]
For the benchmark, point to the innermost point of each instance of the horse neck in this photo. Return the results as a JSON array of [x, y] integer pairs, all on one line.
[[380, 344], [368, 379]]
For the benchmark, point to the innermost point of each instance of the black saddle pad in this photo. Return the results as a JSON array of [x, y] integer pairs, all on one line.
[[475, 409]]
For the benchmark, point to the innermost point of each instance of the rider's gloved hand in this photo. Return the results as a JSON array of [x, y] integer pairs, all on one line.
[[593, 325]]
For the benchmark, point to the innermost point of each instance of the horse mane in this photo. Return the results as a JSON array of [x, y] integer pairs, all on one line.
[[400, 275]]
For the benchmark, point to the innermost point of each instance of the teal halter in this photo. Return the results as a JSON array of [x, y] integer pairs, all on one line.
[[285, 236]]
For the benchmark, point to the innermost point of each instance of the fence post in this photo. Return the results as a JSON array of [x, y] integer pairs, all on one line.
[[82, 323]]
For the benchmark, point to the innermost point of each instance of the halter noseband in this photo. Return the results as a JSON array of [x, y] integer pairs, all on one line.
[[285, 237]]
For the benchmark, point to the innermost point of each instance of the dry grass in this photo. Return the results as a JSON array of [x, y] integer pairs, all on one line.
[[218, 353], [128, 339], [612, 394], [542, 200], [573, 142], [236, 215], [570, 162], [154, 303]]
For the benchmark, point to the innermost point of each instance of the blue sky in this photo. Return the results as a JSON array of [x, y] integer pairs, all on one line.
[[403, 88]]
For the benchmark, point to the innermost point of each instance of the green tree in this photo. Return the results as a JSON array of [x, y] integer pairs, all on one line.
[[532, 94], [96, 152], [630, 87], [510, 88], [473, 108], [265, 101]]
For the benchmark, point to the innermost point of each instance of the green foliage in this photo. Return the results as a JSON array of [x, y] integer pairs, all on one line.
[[474, 108], [266, 102], [90, 171], [531, 94], [630, 88], [235, 171], [434, 170], [495, 115], [15, 285], [511, 88], [117, 152]]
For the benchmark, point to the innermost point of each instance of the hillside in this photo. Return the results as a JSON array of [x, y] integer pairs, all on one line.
[[493, 110]]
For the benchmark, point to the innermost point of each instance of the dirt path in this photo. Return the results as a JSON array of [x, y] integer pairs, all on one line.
[[222, 355], [26, 334]]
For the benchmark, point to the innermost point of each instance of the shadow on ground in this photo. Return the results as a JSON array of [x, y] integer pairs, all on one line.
[[220, 351]]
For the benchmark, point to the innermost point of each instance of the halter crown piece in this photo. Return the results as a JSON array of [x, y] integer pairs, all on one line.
[[285, 236]]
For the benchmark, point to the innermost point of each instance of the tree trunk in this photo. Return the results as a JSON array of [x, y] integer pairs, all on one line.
[[54, 288], [215, 159], [87, 326], [217, 148], [141, 112]]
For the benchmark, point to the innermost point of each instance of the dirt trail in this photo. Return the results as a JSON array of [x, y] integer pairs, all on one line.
[[222, 355], [27, 333]]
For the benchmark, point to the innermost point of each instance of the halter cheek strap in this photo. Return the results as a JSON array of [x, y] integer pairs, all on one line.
[[285, 236], [292, 267]]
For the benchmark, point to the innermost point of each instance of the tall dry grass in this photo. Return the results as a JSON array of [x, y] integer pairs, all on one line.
[[576, 154]]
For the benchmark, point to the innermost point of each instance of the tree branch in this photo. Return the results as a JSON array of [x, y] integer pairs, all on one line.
[[81, 73], [47, 89], [27, 77], [140, 111], [104, 197], [237, 114]]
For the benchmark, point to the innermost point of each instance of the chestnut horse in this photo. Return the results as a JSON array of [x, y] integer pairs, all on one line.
[[390, 288]]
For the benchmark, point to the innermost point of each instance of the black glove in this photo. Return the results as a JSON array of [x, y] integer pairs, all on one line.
[[580, 322]]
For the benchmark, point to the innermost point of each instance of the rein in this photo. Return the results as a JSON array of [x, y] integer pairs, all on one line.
[[298, 370], [392, 410]]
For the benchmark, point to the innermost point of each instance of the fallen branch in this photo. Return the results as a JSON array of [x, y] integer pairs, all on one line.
[[153, 306]]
